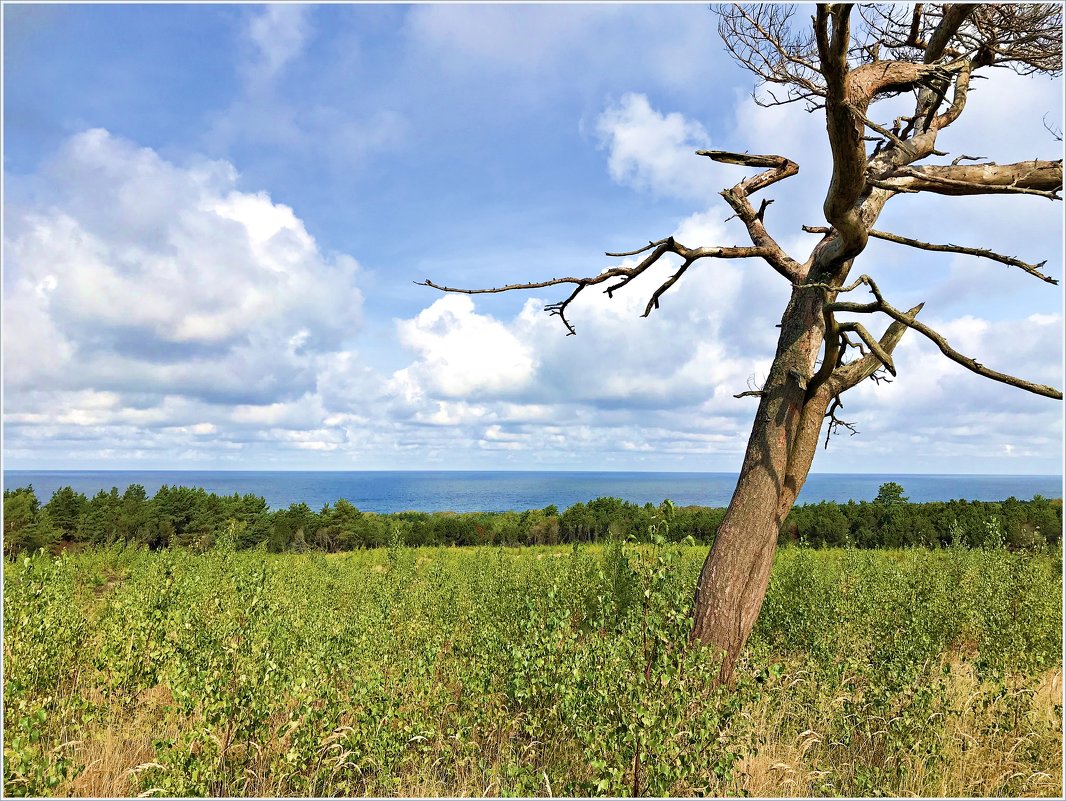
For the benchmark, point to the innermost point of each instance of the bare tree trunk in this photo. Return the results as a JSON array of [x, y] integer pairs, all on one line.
[[780, 450]]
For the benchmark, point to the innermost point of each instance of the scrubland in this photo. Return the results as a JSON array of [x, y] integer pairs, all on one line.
[[531, 671]]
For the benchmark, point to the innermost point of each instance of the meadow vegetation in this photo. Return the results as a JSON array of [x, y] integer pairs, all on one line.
[[561, 670]]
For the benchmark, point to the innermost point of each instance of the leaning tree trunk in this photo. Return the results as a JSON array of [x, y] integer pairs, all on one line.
[[780, 450], [733, 581], [795, 398]]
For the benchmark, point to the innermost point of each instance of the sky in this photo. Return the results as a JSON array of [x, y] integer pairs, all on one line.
[[215, 216]]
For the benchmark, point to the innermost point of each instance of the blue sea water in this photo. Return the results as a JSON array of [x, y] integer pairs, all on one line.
[[430, 491]]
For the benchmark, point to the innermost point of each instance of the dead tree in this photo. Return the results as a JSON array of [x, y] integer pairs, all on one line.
[[840, 64]]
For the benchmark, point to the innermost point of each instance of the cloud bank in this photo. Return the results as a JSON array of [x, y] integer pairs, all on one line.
[[163, 310]]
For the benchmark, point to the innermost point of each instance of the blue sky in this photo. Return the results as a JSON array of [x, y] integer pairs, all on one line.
[[214, 216]]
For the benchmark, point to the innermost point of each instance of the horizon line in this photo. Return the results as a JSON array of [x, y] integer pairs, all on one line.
[[483, 470]]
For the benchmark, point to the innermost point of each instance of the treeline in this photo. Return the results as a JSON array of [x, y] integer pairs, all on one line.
[[197, 519]]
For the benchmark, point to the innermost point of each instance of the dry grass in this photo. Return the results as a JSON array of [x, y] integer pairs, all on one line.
[[112, 752], [980, 763], [975, 760]]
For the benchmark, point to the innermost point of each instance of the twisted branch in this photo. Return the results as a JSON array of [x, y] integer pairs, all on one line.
[[626, 274], [777, 169], [764, 247], [984, 253], [875, 348], [908, 319], [1040, 178], [848, 375]]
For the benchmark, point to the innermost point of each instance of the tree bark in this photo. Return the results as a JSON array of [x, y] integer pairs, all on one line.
[[780, 450]]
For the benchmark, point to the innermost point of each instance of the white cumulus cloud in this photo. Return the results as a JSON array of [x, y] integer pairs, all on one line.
[[463, 354], [654, 151], [135, 274]]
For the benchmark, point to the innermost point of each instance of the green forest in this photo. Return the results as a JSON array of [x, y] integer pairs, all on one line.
[[197, 519]]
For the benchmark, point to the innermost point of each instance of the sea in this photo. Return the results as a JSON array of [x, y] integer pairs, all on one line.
[[497, 491]]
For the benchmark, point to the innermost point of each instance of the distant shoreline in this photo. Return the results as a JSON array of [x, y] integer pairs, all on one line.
[[386, 492]]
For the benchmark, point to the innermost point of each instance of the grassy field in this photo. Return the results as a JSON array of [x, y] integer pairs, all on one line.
[[534, 671]]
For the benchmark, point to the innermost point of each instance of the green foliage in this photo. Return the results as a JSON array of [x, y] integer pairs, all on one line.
[[66, 508], [890, 493], [194, 518], [891, 522], [885, 632], [26, 527], [518, 672], [43, 629]]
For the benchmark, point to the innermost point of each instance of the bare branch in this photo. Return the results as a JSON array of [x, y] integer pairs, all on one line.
[[661, 248], [835, 423], [898, 28], [1040, 178], [762, 39], [908, 319], [879, 184], [868, 81], [636, 252], [916, 25], [792, 95], [845, 96], [833, 287], [625, 274], [887, 134], [875, 348], [753, 391], [775, 163], [1026, 38], [513, 287], [952, 17], [653, 303], [836, 336], [846, 342], [1032, 269], [777, 168], [559, 309], [835, 341], [848, 375], [1056, 133], [968, 362], [958, 102], [765, 247]]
